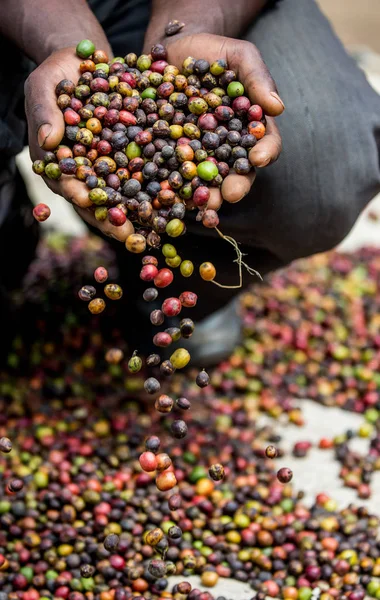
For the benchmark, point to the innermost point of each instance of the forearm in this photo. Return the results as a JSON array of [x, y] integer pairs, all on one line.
[[202, 16], [39, 27]]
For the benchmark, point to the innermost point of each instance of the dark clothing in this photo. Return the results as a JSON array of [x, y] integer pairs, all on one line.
[[328, 171]]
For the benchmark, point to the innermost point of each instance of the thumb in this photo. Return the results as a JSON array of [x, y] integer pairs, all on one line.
[[46, 126]]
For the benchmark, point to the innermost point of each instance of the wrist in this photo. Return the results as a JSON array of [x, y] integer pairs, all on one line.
[[218, 18], [213, 23]]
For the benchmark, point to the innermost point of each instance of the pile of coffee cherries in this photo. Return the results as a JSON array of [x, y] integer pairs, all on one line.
[[149, 141]]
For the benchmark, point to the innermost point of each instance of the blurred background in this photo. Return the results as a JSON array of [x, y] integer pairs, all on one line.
[[357, 23], [358, 26]]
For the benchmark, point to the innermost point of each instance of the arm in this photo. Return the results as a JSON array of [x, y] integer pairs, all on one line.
[[217, 17], [39, 28]]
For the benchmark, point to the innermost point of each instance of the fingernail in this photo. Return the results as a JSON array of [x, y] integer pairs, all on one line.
[[264, 161], [43, 133], [277, 97]]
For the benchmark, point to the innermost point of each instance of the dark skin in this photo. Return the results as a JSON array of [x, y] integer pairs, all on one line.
[[36, 27]]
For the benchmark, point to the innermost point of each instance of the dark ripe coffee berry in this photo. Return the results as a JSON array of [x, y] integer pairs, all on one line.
[[66, 86], [178, 211], [202, 380], [224, 113], [223, 152], [152, 444], [210, 141], [15, 485], [241, 105], [233, 138], [111, 542], [201, 196], [271, 452], [175, 533], [101, 274], [210, 219], [188, 299], [87, 571], [248, 141], [235, 125], [68, 166], [152, 385], [284, 475], [171, 307], [207, 122], [157, 317], [164, 404], [149, 260], [153, 360], [175, 502], [157, 568], [175, 180], [150, 294], [166, 368], [41, 212], [216, 472], [5, 445], [50, 157], [148, 272], [201, 66], [238, 152], [87, 293], [223, 169], [178, 429], [242, 166], [158, 52], [187, 328], [183, 403], [162, 339], [131, 188]]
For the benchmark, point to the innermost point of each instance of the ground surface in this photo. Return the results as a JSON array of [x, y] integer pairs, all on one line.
[[359, 28]]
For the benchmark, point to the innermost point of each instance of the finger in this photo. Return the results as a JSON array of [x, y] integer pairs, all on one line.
[[118, 233], [268, 149], [216, 200], [73, 190], [258, 82], [235, 187]]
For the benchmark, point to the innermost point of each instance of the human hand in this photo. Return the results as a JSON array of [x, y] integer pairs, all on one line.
[[245, 59], [46, 129]]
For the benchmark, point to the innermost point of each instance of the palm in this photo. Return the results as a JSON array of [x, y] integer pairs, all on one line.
[[245, 59]]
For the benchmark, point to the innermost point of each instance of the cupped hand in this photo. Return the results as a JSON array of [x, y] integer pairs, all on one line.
[[245, 59], [46, 129]]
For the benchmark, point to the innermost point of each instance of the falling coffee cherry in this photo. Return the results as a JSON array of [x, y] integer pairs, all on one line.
[[271, 452], [284, 475], [216, 472]]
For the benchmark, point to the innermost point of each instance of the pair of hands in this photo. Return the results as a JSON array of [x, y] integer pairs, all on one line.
[[46, 125]]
